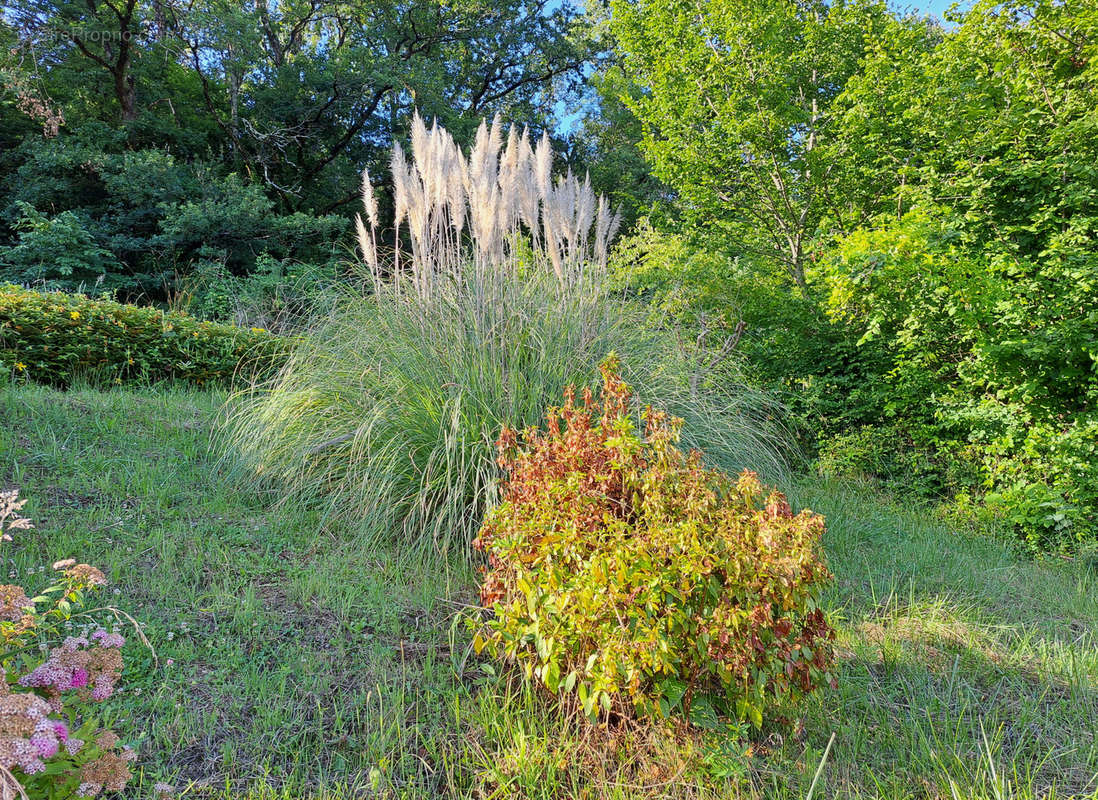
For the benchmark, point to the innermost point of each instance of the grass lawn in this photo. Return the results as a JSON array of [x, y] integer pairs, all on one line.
[[293, 661]]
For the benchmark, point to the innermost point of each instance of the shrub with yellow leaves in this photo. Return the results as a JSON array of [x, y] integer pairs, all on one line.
[[628, 575]]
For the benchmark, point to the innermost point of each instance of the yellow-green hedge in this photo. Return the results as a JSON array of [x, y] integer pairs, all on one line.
[[55, 337]]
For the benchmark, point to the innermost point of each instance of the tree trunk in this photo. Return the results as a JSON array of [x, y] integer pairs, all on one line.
[[125, 92]]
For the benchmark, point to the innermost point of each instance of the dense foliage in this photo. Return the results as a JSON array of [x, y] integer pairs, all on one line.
[[90, 214], [627, 572], [162, 136], [56, 337], [989, 374], [749, 149], [903, 216]]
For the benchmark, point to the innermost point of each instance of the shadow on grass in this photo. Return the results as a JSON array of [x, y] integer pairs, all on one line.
[[963, 668]]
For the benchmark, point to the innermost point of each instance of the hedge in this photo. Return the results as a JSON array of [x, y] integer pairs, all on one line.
[[55, 337]]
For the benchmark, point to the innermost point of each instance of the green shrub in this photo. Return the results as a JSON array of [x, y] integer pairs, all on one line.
[[859, 453], [280, 295], [628, 573], [987, 389], [1035, 478], [56, 337], [209, 290], [237, 220], [59, 253], [116, 215], [825, 383], [897, 457]]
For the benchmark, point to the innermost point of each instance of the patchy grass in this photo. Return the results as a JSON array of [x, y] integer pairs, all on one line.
[[295, 661]]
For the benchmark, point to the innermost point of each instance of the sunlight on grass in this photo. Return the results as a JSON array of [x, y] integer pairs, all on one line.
[[299, 662]]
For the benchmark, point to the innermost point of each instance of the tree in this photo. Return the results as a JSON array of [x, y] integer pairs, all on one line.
[[981, 282], [58, 253], [607, 144], [294, 97], [297, 94], [997, 130], [307, 92], [103, 31], [736, 102]]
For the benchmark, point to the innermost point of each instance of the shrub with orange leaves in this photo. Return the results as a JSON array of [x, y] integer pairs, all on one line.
[[625, 573]]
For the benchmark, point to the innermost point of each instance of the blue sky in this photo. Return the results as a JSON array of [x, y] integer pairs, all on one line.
[[935, 7]]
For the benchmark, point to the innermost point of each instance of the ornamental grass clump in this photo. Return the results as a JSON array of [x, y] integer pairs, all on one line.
[[50, 746], [624, 573], [386, 411]]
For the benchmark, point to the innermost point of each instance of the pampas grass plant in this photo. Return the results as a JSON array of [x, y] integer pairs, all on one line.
[[465, 217], [388, 410]]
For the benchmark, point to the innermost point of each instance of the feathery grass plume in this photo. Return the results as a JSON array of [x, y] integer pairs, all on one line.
[[507, 190], [367, 239], [387, 411]]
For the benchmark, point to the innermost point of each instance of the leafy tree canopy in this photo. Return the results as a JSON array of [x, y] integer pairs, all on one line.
[[126, 109]]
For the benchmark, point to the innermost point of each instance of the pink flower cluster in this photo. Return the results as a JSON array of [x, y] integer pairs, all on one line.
[[108, 639], [86, 666], [28, 735], [110, 771], [78, 663]]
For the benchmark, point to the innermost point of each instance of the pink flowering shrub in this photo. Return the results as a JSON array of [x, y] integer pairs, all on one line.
[[49, 745]]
